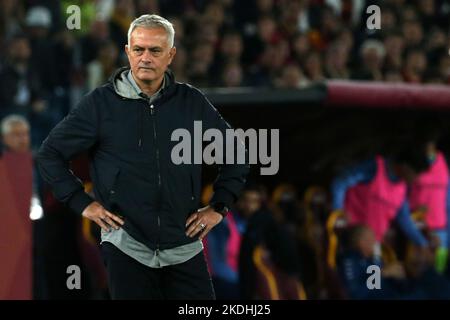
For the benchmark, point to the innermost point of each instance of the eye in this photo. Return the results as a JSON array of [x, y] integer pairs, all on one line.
[[156, 51]]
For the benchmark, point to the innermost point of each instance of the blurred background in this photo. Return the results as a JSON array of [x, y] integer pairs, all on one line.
[[340, 94]]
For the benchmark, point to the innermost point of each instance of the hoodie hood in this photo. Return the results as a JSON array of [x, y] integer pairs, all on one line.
[[125, 89]]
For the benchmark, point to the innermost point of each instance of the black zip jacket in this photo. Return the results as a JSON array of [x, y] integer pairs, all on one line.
[[129, 143]]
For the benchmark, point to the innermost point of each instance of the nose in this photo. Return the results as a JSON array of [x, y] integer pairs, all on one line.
[[146, 57]]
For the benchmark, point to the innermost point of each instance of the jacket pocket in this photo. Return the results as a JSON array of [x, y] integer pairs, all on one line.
[[112, 186], [108, 176]]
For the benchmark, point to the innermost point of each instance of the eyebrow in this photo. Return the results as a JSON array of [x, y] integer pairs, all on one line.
[[151, 48]]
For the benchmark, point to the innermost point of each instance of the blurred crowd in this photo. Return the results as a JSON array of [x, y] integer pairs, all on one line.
[[378, 231], [45, 67], [389, 212]]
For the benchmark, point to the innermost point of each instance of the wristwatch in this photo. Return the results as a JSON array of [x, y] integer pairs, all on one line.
[[220, 207]]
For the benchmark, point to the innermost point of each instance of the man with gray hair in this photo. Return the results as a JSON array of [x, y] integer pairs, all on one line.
[[15, 133], [146, 205]]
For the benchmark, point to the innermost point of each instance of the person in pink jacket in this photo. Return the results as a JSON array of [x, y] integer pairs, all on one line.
[[374, 193], [429, 193]]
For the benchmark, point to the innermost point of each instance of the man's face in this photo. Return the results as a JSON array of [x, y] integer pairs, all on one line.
[[18, 138], [149, 53]]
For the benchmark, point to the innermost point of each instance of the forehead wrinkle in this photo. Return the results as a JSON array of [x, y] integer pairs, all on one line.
[[149, 36]]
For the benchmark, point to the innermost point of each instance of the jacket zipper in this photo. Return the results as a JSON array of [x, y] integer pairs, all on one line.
[[157, 245], [152, 113]]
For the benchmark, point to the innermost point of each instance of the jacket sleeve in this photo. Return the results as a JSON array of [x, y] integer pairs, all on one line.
[[76, 133], [217, 243], [231, 177], [405, 222]]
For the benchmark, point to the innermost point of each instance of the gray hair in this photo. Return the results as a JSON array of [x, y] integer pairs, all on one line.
[[9, 121], [153, 21]]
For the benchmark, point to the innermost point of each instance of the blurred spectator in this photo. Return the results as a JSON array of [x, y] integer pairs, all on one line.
[[291, 18], [179, 64], [336, 61], [330, 25], [99, 70], [122, 16], [11, 14], [389, 19], [231, 48], [409, 12], [300, 47], [149, 7], [21, 90], [444, 65], [20, 83], [437, 40], [415, 65], [373, 192], [268, 245], [39, 22], [90, 43], [313, 67], [64, 54], [178, 25], [429, 194], [15, 132], [413, 34], [393, 75], [229, 54], [232, 76], [247, 13], [372, 54], [201, 61], [15, 137], [427, 12], [346, 38], [214, 12], [286, 208], [206, 32], [270, 64], [292, 77], [353, 266], [255, 44], [423, 280], [350, 12], [394, 45], [224, 244]]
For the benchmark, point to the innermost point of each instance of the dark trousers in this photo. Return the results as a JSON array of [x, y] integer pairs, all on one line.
[[129, 279]]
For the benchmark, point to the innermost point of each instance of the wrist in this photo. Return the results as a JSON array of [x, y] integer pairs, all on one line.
[[220, 208]]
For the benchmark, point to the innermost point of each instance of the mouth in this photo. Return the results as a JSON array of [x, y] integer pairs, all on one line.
[[146, 68]]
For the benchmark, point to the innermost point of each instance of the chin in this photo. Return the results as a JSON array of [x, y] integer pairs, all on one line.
[[147, 76]]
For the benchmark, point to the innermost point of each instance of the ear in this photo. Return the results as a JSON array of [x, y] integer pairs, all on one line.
[[127, 50], [172, 53]]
